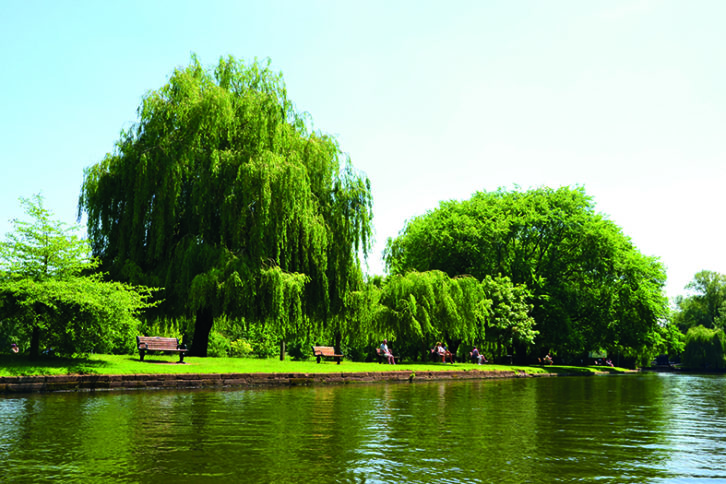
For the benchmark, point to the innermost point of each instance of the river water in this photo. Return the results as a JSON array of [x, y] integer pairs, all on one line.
[[628, 428]]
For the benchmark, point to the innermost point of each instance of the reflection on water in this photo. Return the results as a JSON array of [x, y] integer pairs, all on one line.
[[634, 428]]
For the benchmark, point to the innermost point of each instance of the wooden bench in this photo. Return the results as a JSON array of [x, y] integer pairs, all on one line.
[[383, 358], [321, 352], [147, 344]]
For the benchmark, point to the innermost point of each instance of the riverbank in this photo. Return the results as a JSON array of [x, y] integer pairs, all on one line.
[[170, 381], [126, 372]]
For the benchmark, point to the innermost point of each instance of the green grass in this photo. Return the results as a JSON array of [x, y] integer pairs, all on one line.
[[15, 365]]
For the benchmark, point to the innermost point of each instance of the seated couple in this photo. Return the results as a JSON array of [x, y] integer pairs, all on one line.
[[441, 350]]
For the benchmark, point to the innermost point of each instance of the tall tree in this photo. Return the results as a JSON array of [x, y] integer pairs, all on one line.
[[49, 287], [591, 287], [222, 195]]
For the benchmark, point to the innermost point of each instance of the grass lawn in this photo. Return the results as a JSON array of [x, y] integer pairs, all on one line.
[[17, 365]]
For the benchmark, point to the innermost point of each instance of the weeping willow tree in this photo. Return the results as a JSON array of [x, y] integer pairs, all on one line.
[[222, 195], [420, 308]]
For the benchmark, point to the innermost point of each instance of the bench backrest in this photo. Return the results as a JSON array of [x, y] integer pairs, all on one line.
[[157, 343], [324, 350]]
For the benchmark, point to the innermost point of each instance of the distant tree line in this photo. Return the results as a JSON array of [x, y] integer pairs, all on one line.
[[702, 317]]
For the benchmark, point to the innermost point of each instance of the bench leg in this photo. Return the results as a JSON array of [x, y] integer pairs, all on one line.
[[181, 357], [318, 359], [141, 355], [338, 360]]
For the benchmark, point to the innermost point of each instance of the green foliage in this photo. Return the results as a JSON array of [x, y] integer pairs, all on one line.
[[12, 331], [509, 322], [264, 341], [169, 328], [667, 339], [705, 348], [223, 196], [43, 248], [590, 286], [706, 306], [362, 304], [49, 296], [299, 349]]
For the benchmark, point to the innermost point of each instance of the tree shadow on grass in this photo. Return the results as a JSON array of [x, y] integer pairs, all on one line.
[[21, 365]]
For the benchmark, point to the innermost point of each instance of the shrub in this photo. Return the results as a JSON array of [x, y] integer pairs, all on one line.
[[240, 348], [219, 346]]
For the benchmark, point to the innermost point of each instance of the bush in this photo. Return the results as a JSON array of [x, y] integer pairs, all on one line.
[[219, 346], [298, 349], [265, 343], [240, 348]]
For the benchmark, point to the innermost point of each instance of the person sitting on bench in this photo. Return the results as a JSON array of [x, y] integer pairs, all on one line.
[[386, 351], [477, 357]]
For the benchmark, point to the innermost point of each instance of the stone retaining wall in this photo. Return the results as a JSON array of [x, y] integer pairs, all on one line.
[[79, 383]]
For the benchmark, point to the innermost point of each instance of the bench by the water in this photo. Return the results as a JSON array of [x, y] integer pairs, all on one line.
[[160, 344], [321, 352]]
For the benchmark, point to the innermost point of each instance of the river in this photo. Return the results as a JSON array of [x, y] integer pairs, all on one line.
[[659, 428]]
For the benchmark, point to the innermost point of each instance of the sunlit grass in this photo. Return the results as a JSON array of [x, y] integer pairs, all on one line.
[[16, 365]]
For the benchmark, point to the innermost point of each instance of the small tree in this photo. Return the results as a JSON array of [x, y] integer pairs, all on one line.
[[51, 294]]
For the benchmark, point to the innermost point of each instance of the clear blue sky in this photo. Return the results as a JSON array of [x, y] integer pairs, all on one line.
[[432, 100]]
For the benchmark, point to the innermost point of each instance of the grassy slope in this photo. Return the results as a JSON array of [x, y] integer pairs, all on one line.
[[14, 365]]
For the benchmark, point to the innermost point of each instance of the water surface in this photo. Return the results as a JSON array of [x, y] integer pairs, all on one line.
[[620, 429]]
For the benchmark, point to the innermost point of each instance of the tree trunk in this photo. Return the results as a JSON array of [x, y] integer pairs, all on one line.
[[282, 350], [338, 339], [35, 344], [519, 353], [202, 328], [454, 347]]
